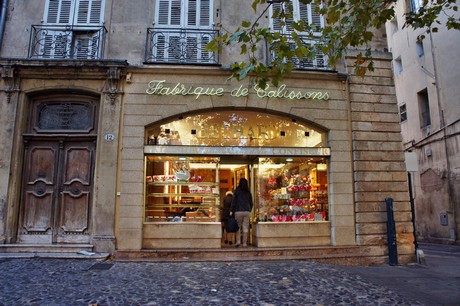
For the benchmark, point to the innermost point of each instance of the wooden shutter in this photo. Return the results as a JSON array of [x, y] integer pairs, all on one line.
[[276, 25], [77, 12], [289, 8], [169, 13], [89, 12], [86, 46], [205, 13], [56, 44], [276, 22], [58, 12], [316, 18]]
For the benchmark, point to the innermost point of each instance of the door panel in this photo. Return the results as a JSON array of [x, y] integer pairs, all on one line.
[[37, 212], [58, 182], [75, 198], [39, 192]]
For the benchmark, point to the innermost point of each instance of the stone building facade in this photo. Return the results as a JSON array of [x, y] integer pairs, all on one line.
[[91, 138], [429, 104]]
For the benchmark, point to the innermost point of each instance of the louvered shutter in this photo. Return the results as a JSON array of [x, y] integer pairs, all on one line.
[[302, 12], [205, 13], [316, 18], [276, 25], [289, 8], [86, 46], [199, 13], [169, 13], [89, 12], [276, 22], [58, 12], [56, 45], [192, 13]]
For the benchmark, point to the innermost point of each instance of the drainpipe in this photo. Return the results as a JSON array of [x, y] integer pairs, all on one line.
[[3, 13]]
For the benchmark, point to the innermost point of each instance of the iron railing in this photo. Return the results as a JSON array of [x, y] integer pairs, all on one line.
[[317, 62], [66, 42], [180, 46]]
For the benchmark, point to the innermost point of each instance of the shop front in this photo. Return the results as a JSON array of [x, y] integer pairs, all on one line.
[[192, 162], [187, 138]]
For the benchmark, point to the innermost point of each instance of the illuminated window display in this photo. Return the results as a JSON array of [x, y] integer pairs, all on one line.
[[291, 190], [187, 189], [186, 158], [180, 189]]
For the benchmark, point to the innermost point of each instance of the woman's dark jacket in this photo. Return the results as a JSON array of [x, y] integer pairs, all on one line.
[[242, 201], [226, 207]]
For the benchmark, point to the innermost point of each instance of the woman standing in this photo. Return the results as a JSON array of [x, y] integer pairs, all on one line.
[[242, 205], [225, 214]]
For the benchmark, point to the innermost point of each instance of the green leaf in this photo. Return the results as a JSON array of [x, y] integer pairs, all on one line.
[[246, 24]]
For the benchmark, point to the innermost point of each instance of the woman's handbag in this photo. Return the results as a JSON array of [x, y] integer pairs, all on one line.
[[232, 225]]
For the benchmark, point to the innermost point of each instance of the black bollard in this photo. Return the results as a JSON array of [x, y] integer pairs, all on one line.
[[391, 232]]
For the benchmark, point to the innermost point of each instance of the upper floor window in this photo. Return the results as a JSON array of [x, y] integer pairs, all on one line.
[[402, 113], [74, 12], [296, 11], [182, 29], [419, 48], [398, 65], [184, 13], [424, 109], [72, 29], [415, 5]]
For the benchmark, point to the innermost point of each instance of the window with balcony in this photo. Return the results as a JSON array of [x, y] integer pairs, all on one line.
[[298, 11], [71, 29], [182, 29]]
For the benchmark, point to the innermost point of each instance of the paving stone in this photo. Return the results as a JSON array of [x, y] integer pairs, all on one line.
[[40, 281]]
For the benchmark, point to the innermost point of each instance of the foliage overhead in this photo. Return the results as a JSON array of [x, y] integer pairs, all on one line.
[[347, 24]]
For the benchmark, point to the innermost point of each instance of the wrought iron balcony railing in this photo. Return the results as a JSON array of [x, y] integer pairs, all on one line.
[[317, 62], [68, 42], [180, 46]]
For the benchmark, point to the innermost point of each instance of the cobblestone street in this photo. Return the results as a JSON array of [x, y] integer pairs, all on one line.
[[41, 281], [81, 282]]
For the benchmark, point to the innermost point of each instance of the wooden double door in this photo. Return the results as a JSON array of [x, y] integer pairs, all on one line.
[[57, 190]]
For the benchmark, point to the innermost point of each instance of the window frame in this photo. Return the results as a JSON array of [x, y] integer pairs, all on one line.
[[184, 14], [297, 15], [402, 113]]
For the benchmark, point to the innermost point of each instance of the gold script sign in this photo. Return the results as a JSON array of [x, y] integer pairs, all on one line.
[[158, 87]]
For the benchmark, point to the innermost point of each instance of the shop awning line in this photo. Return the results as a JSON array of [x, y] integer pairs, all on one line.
[[220, 151]]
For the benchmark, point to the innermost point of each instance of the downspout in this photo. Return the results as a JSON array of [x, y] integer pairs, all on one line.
[[3, 13]]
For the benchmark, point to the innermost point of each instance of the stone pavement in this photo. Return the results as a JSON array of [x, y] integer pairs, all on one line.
[[42, 281]]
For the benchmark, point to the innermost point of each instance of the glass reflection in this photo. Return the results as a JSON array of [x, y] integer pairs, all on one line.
[[235, 128]]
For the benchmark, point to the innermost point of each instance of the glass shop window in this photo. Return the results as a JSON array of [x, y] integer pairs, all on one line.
[[181, 189], [291, 190]]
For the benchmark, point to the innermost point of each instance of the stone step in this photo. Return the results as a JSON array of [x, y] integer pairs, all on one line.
[[351, 255], [45, 248], [61, 251]]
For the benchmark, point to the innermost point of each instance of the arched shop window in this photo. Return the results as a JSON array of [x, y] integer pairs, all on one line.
[[236, 128], [191, 162]]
